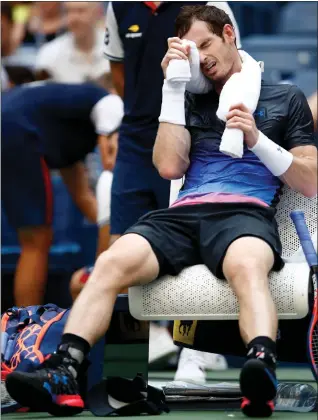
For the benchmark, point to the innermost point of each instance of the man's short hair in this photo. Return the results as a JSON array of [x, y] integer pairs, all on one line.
[[214, 17]]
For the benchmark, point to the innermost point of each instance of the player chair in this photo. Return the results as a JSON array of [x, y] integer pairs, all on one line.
[[196, 294]]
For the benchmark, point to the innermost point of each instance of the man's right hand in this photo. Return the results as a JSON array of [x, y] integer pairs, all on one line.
[[176, 50]]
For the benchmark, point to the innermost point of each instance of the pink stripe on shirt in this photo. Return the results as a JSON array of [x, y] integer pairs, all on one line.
[[217, 198]]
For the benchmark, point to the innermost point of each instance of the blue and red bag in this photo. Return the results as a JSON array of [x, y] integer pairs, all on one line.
[[28, 336]]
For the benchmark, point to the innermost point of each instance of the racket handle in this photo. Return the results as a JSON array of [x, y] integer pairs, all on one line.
[[298, 218]]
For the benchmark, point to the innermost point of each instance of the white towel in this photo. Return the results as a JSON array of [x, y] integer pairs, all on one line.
[[243, 87], [189, 71]]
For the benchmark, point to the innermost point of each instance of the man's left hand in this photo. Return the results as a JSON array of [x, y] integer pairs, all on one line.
[[240, 117]]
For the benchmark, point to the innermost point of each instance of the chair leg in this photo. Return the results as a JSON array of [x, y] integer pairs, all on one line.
[[126, 352], [126, 346]]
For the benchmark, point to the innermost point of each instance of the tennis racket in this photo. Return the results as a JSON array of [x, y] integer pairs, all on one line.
[[8, 404], [298, 218]]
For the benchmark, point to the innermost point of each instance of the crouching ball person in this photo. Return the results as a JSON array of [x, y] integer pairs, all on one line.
[[224, 217], [44, 127]]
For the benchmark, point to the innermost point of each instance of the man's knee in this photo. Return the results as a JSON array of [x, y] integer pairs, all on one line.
[[128, 262], [248, 259]]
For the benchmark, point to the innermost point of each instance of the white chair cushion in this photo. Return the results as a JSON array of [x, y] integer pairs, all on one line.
[[196, 294]]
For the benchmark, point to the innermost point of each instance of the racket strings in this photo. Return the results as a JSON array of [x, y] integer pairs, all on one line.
[[6, 399]]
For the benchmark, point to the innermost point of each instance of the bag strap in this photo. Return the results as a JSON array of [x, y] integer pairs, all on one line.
[[125, 397], [36, 317]]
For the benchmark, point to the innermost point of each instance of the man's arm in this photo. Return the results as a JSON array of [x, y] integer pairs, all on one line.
[[299, 140], [313, 105], [302, 174], [118, 77], [106, 116], [171, 151], [114, 50], [172, 146], [296, 164], [76, 179]]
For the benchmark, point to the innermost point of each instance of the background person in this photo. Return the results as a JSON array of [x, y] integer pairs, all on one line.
[[77, 55], [37, 23], [48, 126]]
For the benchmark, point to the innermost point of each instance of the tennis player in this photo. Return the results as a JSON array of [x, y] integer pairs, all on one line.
[[224, 217]]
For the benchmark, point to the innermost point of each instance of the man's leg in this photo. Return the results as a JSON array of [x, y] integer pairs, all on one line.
[[130, 261], [28, 203], [113, 239], [240, 242], [31, 270], [246, 265], [132, 197], [162, 241]]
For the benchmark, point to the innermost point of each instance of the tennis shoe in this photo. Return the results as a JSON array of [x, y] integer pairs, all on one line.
[[51, 388]]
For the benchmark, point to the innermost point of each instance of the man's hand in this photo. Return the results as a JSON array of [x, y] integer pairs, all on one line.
[[176, 50], [240, 117]]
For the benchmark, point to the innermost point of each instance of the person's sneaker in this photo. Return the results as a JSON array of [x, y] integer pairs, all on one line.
[[161, 346], [51, 388], [258, 385], [193, 365]]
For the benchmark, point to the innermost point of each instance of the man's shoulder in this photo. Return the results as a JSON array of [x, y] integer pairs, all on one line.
[[281, 93], [282, 88], [121, 8]]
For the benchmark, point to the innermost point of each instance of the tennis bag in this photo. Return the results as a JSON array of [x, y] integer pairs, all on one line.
[[28, 335]]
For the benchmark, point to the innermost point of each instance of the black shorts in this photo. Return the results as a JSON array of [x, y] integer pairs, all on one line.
[[201, 233]]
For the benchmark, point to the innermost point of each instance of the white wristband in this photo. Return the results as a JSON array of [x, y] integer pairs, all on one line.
[[274, 157], [172, 106]]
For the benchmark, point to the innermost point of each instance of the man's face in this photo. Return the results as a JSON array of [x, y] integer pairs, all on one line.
[[217, 55], [80, 16]]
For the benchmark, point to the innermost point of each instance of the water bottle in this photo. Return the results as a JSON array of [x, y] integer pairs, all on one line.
[[301, 398]]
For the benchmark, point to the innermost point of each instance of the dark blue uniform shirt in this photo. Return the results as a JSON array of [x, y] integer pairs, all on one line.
[[143, 31], [56, 118]]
